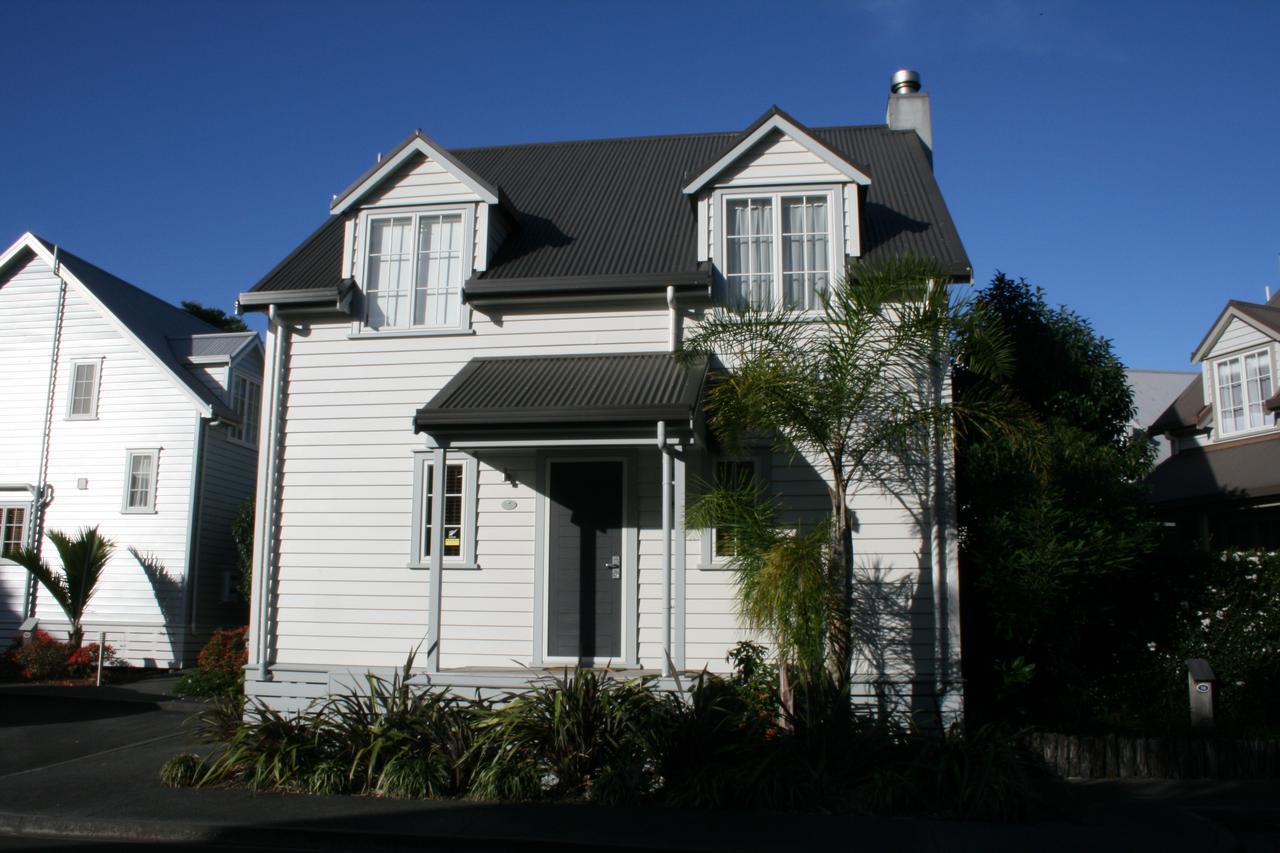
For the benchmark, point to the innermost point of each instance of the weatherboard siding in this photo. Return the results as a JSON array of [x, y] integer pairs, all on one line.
[[139, 407], [345, 595], [420, 180], [227, 481], [1239, 336], [779, 159]]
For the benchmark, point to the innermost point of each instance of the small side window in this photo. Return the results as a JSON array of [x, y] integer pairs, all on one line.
[[718, 547], [13, 529], [141, 469], [82, 396], [459, 511], [246, 400]]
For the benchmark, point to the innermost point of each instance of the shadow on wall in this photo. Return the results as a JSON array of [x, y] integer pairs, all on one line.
[[168, 591]]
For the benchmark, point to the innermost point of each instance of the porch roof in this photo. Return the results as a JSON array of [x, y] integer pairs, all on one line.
[[517, 395]]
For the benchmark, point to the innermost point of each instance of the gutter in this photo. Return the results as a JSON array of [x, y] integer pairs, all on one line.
[[265, 523], [194, 508]]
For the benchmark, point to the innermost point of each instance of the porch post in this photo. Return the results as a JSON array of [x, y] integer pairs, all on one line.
[[666, 548], [434, 579], [677, 642]]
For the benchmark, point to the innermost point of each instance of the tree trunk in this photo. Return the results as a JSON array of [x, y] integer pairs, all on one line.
[[840, 572]]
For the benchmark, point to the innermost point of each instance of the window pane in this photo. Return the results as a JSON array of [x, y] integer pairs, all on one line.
[[1230, 398], [734, 474], [749, 252], [1257, 371], [140, 481], [453, 507], [82, 389], [805, 247], [438, 281], [14, 522], [387, 289]]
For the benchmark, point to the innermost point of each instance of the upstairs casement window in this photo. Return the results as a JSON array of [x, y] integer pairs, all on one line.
[[414, 269], [1244, 385], [778, 250], [13, 529], [82, 395], [140, 470], [246, 400]]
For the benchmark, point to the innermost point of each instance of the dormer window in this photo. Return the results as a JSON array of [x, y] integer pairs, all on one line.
[[1244, 385], [778, 249], [414, 270]]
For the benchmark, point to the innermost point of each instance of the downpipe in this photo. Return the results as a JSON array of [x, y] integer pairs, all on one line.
[[666, 548], [268, 527]]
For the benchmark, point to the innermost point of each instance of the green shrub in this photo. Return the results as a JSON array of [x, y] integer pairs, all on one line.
[[182, 771], [200, 683]]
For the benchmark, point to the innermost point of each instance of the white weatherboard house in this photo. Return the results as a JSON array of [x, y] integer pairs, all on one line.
[[477, 439], [124, 412]]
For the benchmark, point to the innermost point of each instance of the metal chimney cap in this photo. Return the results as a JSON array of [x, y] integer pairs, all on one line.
[[905, 81]]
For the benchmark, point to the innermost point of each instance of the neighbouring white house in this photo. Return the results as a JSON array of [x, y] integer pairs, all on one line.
[[477, 441], [126, 413], [1221, 484]]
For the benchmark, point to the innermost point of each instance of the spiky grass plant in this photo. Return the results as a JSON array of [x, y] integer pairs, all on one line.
[[580, 735]]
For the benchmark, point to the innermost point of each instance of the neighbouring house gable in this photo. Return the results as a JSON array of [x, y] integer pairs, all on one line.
[[144, 319]]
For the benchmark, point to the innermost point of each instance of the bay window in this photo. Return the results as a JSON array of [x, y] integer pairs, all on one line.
[[778, 250], [414, 268], [1244, 384]]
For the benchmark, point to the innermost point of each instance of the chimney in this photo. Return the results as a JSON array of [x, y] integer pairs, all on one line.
[[909, 107]]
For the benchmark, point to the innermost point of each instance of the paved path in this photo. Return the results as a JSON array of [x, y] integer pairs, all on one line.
[[73, 766]]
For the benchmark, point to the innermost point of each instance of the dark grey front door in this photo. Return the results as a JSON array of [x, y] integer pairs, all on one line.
[[584, 603]]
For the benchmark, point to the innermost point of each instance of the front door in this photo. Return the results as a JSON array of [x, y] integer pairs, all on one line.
[[584, 556]]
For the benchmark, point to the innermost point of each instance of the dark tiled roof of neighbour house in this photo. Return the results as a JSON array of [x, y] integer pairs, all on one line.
[[152, 320], [617, 390], [614, 208]]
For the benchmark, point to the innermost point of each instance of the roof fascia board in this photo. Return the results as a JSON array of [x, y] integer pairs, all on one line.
[[1220, 325], [799, 134], [205, 409], [25, 243], [419, 143]]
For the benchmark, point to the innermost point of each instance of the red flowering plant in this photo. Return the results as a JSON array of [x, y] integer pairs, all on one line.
[[227, 651], [42, 657], [83, 661]]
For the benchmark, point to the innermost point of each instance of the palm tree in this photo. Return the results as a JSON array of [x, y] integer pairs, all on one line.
[[859, 391], [84, 557]]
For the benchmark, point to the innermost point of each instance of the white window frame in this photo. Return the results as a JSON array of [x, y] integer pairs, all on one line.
[[92, 414], [246, 432], [129, 456], [361, 328], [761, 458], [466, 558], [1268, 419], [7, 507], [835, 235]]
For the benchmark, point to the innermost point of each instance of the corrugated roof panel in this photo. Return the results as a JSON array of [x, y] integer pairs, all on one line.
[[615, 207], [221, 345], [505, 392]]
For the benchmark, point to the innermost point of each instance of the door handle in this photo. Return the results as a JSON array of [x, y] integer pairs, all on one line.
[[615, 568]]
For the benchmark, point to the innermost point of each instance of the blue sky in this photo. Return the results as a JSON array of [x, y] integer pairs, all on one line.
[[1123, 155]]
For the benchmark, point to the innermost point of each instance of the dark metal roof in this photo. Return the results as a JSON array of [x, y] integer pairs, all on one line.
[[1250, 469], [315, 264], [1264, 315], [221, 346], [511, 393], [614, 207], [1185, 412], [152, 321]]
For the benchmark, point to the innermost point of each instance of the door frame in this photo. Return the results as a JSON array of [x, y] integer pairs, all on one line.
[[630, 558]]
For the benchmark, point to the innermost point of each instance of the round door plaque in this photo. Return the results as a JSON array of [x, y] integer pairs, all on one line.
[[508, 504]]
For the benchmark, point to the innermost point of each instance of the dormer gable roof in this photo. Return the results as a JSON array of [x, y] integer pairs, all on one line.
[[776, 120], [416, 144], [147, 320], [1264, 318]]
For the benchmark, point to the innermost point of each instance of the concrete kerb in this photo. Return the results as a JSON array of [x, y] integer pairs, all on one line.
[[291, 838]]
